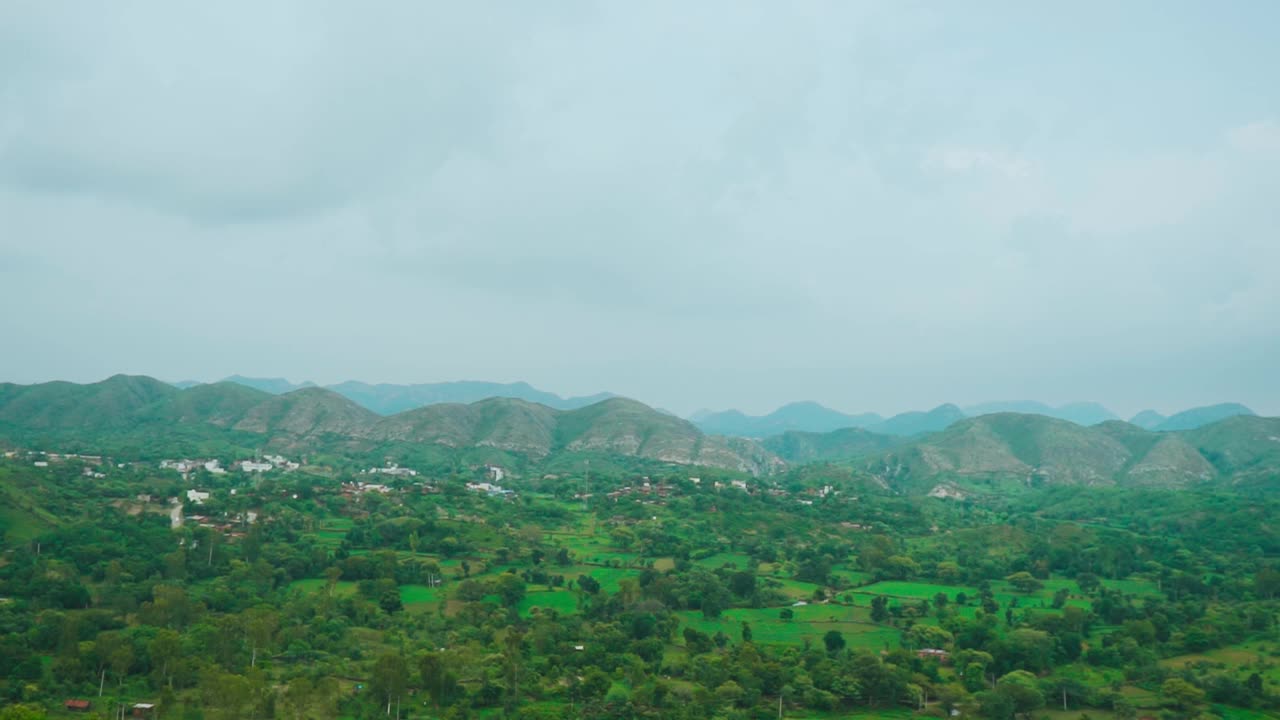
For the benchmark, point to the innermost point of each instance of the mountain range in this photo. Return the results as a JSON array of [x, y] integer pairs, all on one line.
[[813, 417], [1026, 450], [951, 455], [390, 398], [806, 416], [141, 412]]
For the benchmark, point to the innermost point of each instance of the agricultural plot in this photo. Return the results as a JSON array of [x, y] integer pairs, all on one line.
[[739, 561], [810, 623], [562, 601], [316, 585]]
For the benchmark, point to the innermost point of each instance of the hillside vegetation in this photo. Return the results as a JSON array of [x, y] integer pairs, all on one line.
[[136, 412]]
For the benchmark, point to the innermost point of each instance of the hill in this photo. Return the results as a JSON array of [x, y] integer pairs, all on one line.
[[275, 386], [801, 416], [145, 417], [1081, 413], [1201, 416], [1018, 450], [390, 398], [805, 447], [1147, 419], [916, 422]]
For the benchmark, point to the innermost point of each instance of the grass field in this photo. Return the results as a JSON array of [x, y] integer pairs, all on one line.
[[719, 560], [314, 585], [811, 622], [562, 601], [414, 596]]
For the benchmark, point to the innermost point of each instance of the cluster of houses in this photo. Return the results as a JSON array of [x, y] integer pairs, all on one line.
[[354, 489], [138, 710], [391, 469], [214, 466], [491, 490], [644, 487]]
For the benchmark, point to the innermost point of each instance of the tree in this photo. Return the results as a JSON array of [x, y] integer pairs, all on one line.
[[1267, 582], [390, 677], [1181, 694], [1024, 582], [589, 585], [1016, 694], [879, 609], [164, 649], [510, 588], [834, 641], [260, 625], [439, 682]]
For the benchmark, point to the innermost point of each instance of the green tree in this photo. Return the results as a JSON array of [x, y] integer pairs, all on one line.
[[834, 641], [390, 678]]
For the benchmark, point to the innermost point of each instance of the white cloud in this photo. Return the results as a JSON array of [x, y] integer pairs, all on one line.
[[1262, 136], [978, 160]]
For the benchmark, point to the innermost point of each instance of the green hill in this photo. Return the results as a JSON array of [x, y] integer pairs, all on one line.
[[806, 447], [144, 417], [1026, 450], [1201, 416]]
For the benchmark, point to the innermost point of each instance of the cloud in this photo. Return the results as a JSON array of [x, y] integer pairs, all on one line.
[[971, 160], [713, 204], [1261, 136]]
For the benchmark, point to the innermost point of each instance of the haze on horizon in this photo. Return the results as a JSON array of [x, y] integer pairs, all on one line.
[[881, 206]]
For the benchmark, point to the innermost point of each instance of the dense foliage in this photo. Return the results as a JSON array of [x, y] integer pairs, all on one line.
[[720, 596]]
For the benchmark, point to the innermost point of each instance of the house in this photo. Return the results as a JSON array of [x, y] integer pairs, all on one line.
[[144, 710], [77, 705], [933, 653], [251, 466], [489, 489], [197, 497]]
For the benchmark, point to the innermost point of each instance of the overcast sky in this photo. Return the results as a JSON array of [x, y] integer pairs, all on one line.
[[879, 206]]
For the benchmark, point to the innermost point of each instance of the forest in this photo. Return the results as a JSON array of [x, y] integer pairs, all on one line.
[[624, 590]]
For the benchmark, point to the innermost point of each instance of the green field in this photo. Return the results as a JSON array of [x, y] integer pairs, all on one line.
[[811, 622], [562, 601], [730, 559]]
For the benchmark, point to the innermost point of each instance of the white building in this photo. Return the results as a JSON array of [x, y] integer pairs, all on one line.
[[252, 466], [197, 497]]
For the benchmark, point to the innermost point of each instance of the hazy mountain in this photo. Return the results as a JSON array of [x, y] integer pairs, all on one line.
[[1245, 447], [275, 386], [805, 447], [1147, 419], [1081, 413], [390, 398], [914, 423], [988, 450], [803, 416], [97, 406], [1201, 416], [140, 414]]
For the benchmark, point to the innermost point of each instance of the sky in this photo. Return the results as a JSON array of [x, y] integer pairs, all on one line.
[[881, 206]]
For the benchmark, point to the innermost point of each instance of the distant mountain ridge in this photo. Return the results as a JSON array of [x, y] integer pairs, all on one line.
[[1080, 413], [391, 398], [134, 411], [807, 416], [1033, 449], [810, 417], [1201, 416]]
